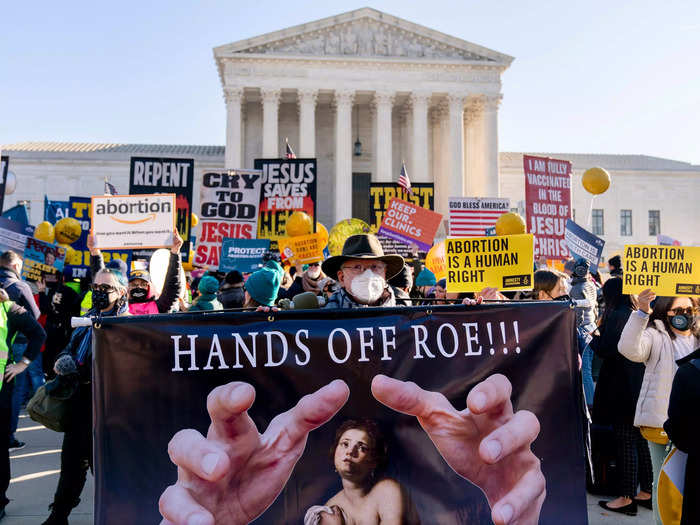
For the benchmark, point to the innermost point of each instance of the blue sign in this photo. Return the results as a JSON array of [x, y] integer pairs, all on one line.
[[583, 243], [244, 255], [13, 235], [17, 213], [55, 210]]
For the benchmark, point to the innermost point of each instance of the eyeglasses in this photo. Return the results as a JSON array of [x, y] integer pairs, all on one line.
[[691, 310], [106, 288], [314, 264], [376, 267]]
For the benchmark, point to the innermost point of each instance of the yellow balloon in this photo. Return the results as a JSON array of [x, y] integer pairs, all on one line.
[[188, 266], [596, 180], [68, 230], [435, 260], [44, 232], [341, 231], [72, 256], [320, 228], [194, 220], [510, 223], [299, 223]]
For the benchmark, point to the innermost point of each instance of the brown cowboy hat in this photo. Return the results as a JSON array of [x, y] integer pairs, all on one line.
[[363, 246]]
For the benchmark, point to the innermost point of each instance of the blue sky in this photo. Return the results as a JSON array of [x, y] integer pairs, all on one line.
[[597, 76]]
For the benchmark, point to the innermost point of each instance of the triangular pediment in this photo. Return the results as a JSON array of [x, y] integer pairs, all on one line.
[[364, 33]]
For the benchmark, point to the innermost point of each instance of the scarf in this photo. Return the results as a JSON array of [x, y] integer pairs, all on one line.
[[311, 285]]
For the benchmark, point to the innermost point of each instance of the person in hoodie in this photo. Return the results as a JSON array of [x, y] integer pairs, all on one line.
[[141, 294], [208, 287], [231, 291]]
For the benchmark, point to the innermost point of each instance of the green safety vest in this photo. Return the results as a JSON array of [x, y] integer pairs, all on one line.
[[4, 350], [86, 303]]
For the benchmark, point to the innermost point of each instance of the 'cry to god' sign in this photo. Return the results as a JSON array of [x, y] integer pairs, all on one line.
[[667, 270], [504, 262]]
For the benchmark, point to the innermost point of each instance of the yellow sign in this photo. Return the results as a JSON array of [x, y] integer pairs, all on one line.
[[667, 270], [503, 262], [303, 249]]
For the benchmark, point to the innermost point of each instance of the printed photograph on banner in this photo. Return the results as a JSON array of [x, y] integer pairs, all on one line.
[[548, 204], [410, 224], [582, 243], [287, 185], [244, 255], [343, 377], [228, 207], [666, 270], [40, 258], [133, 221], [503, 262], [475, 216]]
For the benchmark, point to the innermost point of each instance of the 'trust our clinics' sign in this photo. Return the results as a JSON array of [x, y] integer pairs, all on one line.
[[410, 224]]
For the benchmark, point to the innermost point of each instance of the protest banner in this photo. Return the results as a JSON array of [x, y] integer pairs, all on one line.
[[126, 222], [303, 249], [79, 264], [473, 216], [41, 257], [504, 262], [142, 398], [411, 224], [55, 210], [229, 208], [13, 235], [582, 243], [244, 255], [667, 270], [165, 175], [4, 166], [287, 185], [548, 204], [381, 193]]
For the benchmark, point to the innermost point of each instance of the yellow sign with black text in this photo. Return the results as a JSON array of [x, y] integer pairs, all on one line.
[[504, 262], [666, 270], [303, 249]]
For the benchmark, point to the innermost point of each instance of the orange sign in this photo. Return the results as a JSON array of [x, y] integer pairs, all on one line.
[[410, 224]]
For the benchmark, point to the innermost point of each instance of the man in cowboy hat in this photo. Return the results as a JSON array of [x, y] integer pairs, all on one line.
[[362, 270]]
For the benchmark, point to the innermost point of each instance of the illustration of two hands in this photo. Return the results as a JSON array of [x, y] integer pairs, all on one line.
[[234, 474]]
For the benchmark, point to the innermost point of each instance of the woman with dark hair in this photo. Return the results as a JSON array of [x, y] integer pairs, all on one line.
[[615, 402], [659, 338], [360, 454], [548, 285]]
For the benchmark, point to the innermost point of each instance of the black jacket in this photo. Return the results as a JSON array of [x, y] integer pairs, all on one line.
[[21, 294], [683, 427], [22, 322], [232, 297], [620, 379]]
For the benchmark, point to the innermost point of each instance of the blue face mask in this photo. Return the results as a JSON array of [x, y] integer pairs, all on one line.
[[681, 322]]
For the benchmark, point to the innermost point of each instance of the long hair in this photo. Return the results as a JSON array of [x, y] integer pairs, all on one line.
[[380, 451], [614, 298], [661, 307]]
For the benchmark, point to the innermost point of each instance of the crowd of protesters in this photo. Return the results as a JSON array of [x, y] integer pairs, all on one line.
[[631, 347]]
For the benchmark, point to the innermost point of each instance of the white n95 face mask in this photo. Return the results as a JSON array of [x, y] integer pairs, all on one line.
[[367, 287]]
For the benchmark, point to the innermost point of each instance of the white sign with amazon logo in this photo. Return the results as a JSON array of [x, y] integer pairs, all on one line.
[[133, 221]]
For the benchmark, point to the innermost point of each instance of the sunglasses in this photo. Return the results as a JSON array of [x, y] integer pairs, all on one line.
[[106, 288], [691, 310], [314, 264]]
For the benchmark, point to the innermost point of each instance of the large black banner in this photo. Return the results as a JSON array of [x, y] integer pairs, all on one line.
[[163, 175], [152, 376]]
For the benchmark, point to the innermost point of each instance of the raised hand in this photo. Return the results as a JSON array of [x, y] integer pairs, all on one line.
[[485, 443], [235, 473], [177, 242], [644, 300], [92, 245]]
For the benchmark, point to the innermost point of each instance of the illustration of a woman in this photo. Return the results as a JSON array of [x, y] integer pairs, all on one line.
[[360, 455]]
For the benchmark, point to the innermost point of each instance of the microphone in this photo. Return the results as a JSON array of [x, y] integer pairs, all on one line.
[[302, 301]]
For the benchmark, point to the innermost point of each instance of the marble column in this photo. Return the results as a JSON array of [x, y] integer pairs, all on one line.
[[343, 154], [234, 120], [456, 144], [384, 103], [419, 157], [270, 104], [437, 119], [491, 178], [307, 122], [473, 154]]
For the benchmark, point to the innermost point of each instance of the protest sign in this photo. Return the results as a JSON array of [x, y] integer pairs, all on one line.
[[410, 224], [229, 208], [667, 240], [582, 243], [667, 270], [55, 210], [13, 235], [244, 255], [381, 193], [4, 166], [133, 221], [473, 216], [504, 262], [164, 175], [303, 249], [17, 213], [143, 398], [41, 257], [79, 263], [548, 204], [287, 185]]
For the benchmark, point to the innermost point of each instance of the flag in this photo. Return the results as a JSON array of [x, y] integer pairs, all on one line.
[[404, 182], [110, 189], [289, 153]]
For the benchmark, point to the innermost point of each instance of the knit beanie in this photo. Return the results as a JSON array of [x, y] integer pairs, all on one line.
[[208, 285], [426, 278], [233, 277], [264, 284]]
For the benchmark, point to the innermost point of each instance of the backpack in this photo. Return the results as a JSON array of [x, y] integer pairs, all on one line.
[[51, 403]]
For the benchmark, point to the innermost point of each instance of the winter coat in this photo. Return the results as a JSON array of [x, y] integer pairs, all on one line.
[[620, 380], [341, 299], [206, 302], [233, 297], [21, 294], [584, 289], [653, 347]]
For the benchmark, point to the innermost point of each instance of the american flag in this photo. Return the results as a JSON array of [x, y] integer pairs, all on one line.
[[470, 217], [404, 182], [110, 189], [289, 153]]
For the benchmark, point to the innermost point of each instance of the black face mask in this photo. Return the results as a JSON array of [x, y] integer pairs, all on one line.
[[100, 299], [138, 295], [681, 322]]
